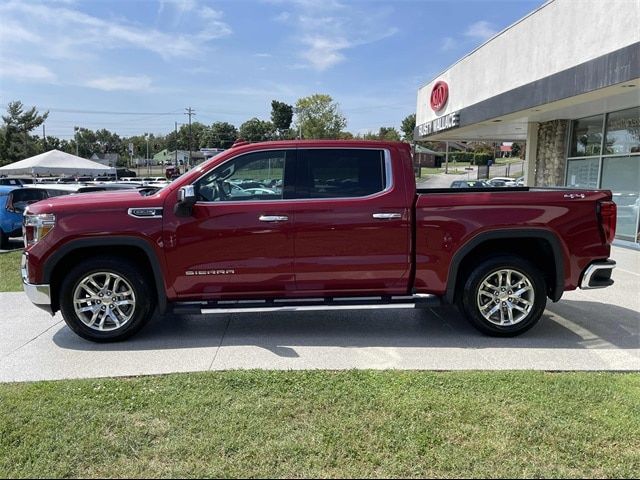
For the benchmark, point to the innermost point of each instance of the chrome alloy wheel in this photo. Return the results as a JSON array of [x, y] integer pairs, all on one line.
[[104, 301], [505, 297]]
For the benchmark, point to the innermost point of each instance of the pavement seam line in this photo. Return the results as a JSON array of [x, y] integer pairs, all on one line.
[[224, 333], [28, 342]]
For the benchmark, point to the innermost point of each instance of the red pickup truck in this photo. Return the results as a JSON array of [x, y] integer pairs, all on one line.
[[313, 225]]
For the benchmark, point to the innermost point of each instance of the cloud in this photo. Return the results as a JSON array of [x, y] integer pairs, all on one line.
[[324, 31], [210, 14], [282, 17], [109, 84], [68, 33], [324, 52], [26, 71], [481, 30], [448, 44]]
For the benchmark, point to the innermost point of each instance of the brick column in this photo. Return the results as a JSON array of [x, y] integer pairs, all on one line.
[[551, 153]]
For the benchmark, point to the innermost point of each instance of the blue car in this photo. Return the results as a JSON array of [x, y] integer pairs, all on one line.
[[13, 201]]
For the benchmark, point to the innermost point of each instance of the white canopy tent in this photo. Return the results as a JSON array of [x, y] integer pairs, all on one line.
[[55, 162]]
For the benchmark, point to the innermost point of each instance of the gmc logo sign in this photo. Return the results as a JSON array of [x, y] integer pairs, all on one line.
[[439, 96]]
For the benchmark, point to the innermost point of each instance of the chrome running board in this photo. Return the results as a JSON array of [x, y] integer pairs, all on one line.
[[308, 304]]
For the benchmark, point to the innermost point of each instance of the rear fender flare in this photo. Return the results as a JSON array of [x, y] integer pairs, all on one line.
[[549, 236]]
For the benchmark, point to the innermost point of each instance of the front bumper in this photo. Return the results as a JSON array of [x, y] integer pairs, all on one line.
[[40, 295], [598, 275]]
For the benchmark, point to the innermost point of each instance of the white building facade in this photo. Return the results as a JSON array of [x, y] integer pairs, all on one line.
[[565, 79]]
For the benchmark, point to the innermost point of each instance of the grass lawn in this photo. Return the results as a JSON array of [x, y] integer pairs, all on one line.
[[325, 424], [10, 280]]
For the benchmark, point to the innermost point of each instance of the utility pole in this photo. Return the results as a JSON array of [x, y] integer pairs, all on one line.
[[175, 163], [446, 159], [44, 137], [191, 112]]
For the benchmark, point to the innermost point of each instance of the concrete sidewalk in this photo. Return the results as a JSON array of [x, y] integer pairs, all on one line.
[[587, 330]]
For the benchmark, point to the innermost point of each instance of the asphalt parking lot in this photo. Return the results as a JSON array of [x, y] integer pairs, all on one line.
[[586, 330]]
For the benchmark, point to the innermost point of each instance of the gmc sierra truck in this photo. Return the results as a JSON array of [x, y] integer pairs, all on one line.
[[312, 225]]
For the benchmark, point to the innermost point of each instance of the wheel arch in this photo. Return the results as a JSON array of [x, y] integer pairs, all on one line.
[[133, 249], [477, 248]]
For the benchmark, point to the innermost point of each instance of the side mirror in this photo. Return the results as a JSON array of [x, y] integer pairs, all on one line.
[[186, 201]]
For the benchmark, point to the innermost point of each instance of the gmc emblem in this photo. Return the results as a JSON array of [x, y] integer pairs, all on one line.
[[439, 95]]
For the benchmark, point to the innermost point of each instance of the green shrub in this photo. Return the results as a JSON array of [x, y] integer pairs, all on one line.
[[482, 158]]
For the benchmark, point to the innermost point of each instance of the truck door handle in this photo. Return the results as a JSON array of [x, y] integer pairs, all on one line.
[[273, 218], [387, 216]]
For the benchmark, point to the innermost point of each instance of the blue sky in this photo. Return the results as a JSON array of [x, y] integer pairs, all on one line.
[[146, 61]]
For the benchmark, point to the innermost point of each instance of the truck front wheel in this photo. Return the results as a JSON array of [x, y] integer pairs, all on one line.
[[504, 296], [105, 299]]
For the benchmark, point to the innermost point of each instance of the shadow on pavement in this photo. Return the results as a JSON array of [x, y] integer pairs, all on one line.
[[566, 325]]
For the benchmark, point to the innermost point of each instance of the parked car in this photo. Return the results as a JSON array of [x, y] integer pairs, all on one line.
[[13, 201], [15, 182], [172, 172], [348, 230], [470, 184], [66, 180], [502, 182]]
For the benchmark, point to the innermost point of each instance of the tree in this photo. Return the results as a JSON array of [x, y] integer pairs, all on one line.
[[516, 150], [221, 135], [198, 136], [389, 134], [107, 141], [369, 136], [86, 141], [256, 130], [16, 142], [318, 116], [408, 126], [281, 117]]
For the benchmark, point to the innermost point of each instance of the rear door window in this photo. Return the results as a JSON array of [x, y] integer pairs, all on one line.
[[340, 173]]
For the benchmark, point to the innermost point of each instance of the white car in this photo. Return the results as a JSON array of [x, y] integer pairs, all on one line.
[[502, 182]]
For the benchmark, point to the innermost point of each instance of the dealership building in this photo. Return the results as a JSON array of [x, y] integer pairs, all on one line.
[[565, 79]]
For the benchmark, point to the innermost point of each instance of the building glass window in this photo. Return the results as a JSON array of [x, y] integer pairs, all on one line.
[[587, 137], [612, 164], [623, 132], [621, 175], [583, 173]]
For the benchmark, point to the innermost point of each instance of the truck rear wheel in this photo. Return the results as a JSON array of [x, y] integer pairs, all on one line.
[[504, 296], [106, 299]]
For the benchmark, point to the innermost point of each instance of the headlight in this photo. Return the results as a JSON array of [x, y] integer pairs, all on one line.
[[36, 227]]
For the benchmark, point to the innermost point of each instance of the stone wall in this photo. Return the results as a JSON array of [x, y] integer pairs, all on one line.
[[551, 153]]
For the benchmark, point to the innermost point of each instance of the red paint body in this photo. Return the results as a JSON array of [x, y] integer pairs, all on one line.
[[327, 247]]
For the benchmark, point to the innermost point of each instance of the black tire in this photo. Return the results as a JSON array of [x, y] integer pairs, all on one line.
[[139, 313], [4, 240], [490, 270]]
